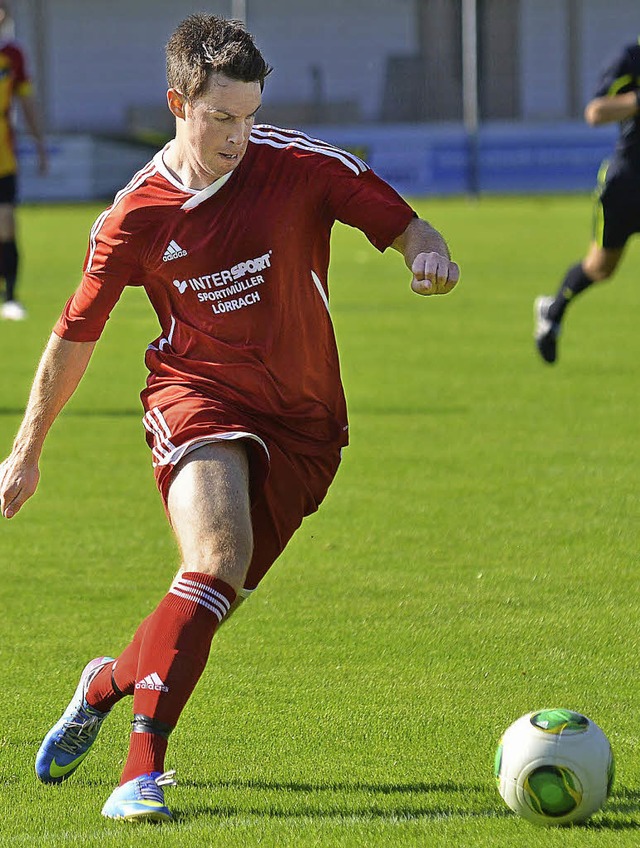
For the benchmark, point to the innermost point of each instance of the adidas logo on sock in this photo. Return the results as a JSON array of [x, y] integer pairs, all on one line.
[[152, 681], [173, 251]]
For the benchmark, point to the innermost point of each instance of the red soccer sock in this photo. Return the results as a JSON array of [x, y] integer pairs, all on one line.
[[116, 680], [173, 654], [146, 754]]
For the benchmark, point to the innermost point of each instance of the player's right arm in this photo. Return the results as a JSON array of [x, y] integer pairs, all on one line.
[[606, 110], [60, 370], [32, 119], [616, 97], [112, 261]]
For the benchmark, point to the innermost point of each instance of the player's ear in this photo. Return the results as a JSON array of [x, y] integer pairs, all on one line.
[[176, 102]]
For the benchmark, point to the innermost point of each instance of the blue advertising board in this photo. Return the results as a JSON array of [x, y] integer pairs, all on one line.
[[416, 159], [501, 158]]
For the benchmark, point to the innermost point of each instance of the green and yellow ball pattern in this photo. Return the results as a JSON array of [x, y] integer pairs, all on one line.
[[552, 790]]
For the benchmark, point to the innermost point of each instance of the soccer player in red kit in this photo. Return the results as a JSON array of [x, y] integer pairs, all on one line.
[[228, 230]]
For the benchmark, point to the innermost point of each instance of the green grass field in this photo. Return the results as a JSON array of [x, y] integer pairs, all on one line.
[[475, 559]]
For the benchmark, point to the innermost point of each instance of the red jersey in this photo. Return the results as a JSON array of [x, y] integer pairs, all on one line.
[[13, 80], [237, 274]]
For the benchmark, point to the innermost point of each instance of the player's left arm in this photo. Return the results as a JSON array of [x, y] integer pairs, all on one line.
[[427, 256], [32, 119]]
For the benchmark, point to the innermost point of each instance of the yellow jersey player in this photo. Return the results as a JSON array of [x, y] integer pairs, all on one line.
[[14, 85]]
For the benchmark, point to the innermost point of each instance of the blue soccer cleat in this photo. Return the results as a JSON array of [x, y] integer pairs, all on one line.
[[69, 741], [141, 799]]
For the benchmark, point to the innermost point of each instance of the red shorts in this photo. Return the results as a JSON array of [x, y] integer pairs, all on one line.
[[286, 485]]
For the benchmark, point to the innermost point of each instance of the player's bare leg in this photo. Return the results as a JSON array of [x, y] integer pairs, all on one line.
[[199, 540], [7, 221], [210, 511], [599, 264]]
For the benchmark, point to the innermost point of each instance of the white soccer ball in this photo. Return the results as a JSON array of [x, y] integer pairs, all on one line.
[[554, 767]]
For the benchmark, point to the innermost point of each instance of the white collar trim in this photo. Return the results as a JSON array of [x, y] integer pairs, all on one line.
[[205, 193], [198, 196]]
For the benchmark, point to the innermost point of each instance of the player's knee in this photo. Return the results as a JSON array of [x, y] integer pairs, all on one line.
[[7, 222], [225, 555], [600, 271], [603, 273]]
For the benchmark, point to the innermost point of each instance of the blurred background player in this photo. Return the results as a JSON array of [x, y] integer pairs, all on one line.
[[15, 85], [617, 213]]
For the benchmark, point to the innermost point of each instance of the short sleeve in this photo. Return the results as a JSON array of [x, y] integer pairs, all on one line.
[[21, 80], [360, 198], [111, 263], [618, 76]]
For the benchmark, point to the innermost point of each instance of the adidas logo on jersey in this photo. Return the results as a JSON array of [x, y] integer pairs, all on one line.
[[152, 681], [173, 251]]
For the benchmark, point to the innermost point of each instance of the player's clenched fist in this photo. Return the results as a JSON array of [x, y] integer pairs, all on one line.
[[18, 481], [433, 274]]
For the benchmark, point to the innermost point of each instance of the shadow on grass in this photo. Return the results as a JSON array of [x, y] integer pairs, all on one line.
[[624, 802], [474, 801], [329, 801], [379, 788], [300, 800]]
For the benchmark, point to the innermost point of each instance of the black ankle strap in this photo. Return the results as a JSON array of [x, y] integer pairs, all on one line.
[[144, 724]]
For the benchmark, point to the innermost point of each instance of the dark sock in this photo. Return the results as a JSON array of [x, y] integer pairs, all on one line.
[[9, 259], [575, 281]]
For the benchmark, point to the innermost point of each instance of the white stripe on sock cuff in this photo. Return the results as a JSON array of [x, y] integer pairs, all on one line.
[[193, 586], [202, 594], [201, 598], [216, 610]]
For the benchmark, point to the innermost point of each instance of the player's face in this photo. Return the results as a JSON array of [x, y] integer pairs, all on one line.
[[218, 124]]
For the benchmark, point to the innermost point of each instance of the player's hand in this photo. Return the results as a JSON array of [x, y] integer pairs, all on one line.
[[433, 274], [18, 481]]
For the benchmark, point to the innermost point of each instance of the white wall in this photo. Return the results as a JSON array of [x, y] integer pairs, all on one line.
[[349, 39], [543, 59], [101, 58], [603, 33], [604, 27], [105, 57]]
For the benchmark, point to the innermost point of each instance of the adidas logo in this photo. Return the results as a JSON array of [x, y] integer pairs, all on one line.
[[173, 251], [152, 681]]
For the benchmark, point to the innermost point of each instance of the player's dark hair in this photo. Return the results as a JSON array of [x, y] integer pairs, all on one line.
[[206, 44]]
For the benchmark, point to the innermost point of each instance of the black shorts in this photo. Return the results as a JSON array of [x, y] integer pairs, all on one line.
[[617, 208], [8, 189]]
